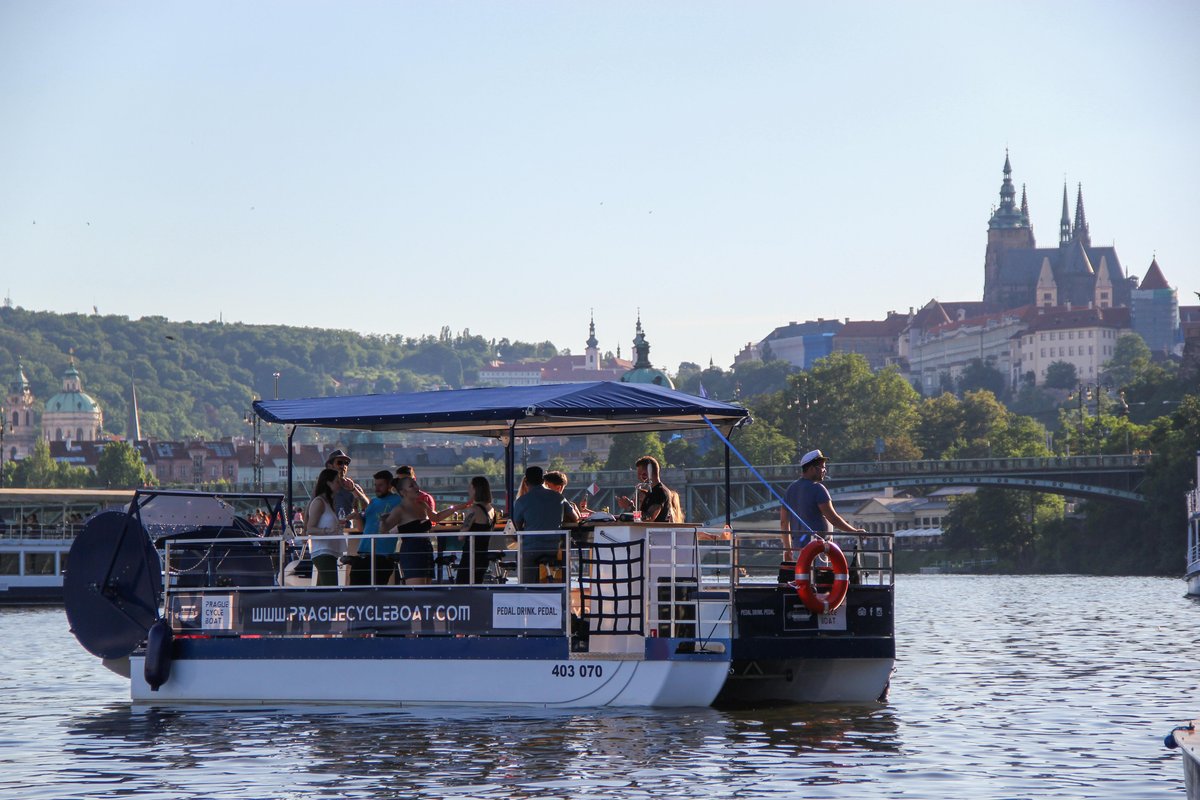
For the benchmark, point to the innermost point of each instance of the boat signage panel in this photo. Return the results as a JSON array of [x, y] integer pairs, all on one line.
[[527, 610], [833, 622], [778, 611], [445, 611], [217, 612]]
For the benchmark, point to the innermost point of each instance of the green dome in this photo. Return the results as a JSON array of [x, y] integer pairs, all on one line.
[[72, 399], [71, 402], [648, 375]]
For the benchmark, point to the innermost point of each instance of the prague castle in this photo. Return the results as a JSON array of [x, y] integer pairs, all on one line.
[[1016, 272]]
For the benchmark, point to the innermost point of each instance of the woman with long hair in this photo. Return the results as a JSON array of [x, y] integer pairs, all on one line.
[[479, 516], [480, 519], [320, 520]]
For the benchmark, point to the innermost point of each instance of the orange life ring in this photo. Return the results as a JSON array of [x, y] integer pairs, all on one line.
[[813, 600]]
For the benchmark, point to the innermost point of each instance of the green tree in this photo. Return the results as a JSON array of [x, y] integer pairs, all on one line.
[[1131, 357], [680, 453], [1061, 375], [1001, 521], [939, 424], [980, 375], [841, 406], [490, 468], [761, 443], [591, 462], [629, 447], [120, 467], [39, 471]]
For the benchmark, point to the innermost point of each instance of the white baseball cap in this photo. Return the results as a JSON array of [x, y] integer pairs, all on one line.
[[810, 457]]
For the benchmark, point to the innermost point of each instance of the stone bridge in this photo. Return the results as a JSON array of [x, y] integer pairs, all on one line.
[[1110, 477]]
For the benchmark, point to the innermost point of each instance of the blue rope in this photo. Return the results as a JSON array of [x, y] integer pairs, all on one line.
[[761, 479]]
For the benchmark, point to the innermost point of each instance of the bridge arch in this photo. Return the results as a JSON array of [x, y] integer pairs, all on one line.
[[1045, 485]]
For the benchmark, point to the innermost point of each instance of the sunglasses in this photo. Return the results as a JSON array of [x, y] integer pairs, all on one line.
[[342, 463]]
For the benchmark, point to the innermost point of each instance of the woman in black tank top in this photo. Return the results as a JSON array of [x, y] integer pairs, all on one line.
[[479, 519]]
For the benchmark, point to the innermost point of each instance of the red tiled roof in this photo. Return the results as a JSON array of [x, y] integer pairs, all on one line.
[[1154, 278], [1061, 319]]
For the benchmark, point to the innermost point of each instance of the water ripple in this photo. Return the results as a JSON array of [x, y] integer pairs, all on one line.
[[1006, 687]]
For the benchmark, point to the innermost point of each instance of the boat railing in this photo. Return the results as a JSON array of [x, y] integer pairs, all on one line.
[[762, 556], [651, 585], [691, 572], [48, 532]]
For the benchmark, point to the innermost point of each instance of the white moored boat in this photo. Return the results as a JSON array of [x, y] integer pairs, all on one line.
[[37, 527], [1192, 576]]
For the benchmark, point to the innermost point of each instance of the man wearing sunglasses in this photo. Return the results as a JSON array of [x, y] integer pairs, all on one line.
[[348, 496]]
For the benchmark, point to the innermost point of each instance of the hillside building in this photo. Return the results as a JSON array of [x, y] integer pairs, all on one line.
[[801, 344], [1083, 337], [878, 341], [591, 366], [938, 354]]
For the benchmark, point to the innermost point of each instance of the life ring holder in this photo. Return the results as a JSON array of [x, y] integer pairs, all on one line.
[[813, 600]]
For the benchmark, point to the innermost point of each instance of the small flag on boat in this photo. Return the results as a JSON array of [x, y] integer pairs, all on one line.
[[703, 393], [595, 487]]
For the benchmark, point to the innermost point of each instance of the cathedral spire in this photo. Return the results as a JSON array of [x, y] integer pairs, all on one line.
[[591, 340], [1024, 205], [1081, 227], [591, 357], [133, 431], [1007, 192], [1064, 225], [1007, 215]]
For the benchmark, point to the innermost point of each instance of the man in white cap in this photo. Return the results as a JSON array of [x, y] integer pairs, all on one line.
[[809, 498]]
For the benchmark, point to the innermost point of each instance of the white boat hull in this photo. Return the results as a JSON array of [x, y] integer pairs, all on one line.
[[823, 680], [1193, 579], [1187, 739], [569, 683]]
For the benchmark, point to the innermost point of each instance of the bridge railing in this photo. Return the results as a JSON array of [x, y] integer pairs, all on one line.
[[847, 469]]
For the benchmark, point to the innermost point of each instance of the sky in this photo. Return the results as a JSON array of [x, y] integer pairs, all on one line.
[[514, 167]]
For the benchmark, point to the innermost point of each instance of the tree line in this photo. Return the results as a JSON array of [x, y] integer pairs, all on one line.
[[196, 379]]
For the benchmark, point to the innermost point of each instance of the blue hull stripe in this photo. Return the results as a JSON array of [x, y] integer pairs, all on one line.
[[466, 648], [789, 648]]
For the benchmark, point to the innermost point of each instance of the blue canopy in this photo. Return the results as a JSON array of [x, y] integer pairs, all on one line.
[[553, 410]]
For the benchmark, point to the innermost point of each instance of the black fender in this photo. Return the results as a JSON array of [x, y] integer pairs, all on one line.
[[159, 644]]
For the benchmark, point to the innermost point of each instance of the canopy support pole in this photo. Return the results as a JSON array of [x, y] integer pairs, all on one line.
[[728, 505], [290, 513], [509, 468]]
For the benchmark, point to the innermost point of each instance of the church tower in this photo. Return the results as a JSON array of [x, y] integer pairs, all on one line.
[[1008, 228], [133, 427], [19, 422], [643, 371], [591, 359]]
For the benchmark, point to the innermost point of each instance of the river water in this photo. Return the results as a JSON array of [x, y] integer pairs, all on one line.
[[1005, 687]]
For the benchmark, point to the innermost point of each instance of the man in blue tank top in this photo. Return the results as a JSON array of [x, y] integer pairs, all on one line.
[[809, 498]]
